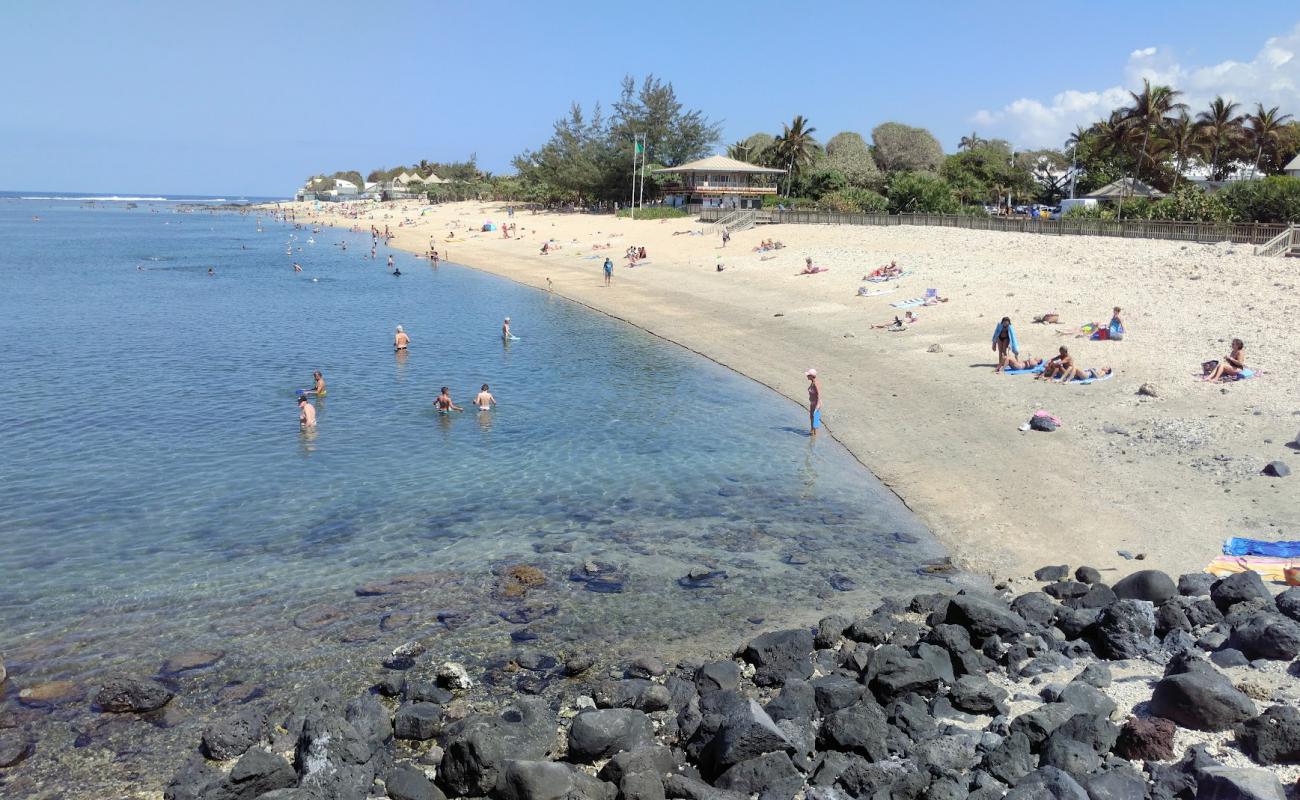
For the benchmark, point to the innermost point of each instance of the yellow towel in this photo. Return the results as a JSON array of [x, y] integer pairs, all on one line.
[[1270, 569]]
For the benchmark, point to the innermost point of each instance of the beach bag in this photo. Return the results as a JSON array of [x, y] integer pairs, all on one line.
[[1209, 366]]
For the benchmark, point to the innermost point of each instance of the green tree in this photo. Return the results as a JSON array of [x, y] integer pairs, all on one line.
[[795, 149], [902, 148], [1264, 131], [1272, 199], [673, 135], [1185, 140], [1225, 133], [847, 152], [854, 201], [970, 142], [917, 192], [1192, 204], [1150, 113]]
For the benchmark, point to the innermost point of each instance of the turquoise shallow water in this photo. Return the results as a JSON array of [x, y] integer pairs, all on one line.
[[156, 495]]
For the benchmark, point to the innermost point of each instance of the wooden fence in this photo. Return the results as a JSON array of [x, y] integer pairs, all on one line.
[[1239, 232]]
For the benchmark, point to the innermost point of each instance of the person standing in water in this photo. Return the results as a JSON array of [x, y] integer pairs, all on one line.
[[390, 262], [400, 340], [444, 403], [505, 330], [814, 402], [306, 413], [609, 270], [318, 385], [484, 399]]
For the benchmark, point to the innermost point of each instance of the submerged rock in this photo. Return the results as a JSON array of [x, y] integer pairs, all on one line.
[[190, 661], [126, 694]]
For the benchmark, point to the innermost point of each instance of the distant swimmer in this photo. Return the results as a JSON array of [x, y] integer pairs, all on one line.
[[297, 267], [306, 413], [484, 399], [400, 340], [211, 271], [397, 273], [444, 403], [318, 385]]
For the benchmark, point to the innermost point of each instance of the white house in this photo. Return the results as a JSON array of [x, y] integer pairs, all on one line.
[[342, 187], [1293, 167], [719, 182]]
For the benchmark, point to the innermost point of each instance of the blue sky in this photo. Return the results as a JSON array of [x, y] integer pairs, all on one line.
[[250, 98]]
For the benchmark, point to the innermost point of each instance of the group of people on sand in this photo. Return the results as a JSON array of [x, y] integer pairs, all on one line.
[[634, 255], [886, 273], [767, 245], [483, 401], [1061, 368]]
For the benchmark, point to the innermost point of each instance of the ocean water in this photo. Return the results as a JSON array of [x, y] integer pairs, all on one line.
[[158, 497]]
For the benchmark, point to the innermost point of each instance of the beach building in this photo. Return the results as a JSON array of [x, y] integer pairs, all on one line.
[[1292, 168], [345, 187], [1124, 189], [719, 182]]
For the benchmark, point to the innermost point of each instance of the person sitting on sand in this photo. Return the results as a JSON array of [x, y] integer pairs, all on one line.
[[1004, 341], [1057, 366], [484, 399], [1113, 330], [1230, 368], [400, 340], [546, 248], [444, 403], [808, 268], [1077, 373]]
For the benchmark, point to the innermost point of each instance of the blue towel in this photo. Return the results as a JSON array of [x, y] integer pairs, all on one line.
[[1086, 381], [1245, 373], [1238, 546], [1031, 371], [1015, 343], [912, 303]]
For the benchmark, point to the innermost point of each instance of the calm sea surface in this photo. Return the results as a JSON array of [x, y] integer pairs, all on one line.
[[157, 496]]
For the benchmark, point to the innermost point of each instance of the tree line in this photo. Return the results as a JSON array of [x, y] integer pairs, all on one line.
[[1155, 140]]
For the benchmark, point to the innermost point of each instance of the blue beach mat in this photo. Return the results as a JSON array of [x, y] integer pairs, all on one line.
[[1031, 371], [912, 303], [1086, 381], [1239, 546]]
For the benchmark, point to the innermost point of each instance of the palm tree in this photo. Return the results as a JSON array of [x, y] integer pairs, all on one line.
[[1223, 132], [1264, 129], [796, 147], [1151, 110], [1183, 139], [970, 142], [738, 150]]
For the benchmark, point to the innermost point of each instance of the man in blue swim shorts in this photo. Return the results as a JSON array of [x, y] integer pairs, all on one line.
[[814, 402]]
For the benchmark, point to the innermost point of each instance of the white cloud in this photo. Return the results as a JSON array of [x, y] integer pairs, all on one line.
[[1271, 77]]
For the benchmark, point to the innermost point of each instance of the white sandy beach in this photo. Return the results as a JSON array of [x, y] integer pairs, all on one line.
[[1167, 477]]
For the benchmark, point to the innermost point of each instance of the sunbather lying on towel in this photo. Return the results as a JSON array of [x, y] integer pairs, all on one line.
[[1050, 318], [897, 323], [1230, 368], [890, 271], [1057, 366], [1077, 373], [1028, 362]]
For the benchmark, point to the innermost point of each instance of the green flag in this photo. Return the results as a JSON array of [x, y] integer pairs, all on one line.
[[639, 145]]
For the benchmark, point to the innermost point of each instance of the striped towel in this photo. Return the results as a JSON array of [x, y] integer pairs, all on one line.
[[1270, 569], [912, 303], [875, 292]]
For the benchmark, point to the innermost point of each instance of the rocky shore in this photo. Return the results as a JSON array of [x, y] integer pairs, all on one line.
[[1147, 688]]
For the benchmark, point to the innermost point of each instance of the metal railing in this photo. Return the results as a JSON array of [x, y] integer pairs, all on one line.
[[1281, 244], [1206, 232]]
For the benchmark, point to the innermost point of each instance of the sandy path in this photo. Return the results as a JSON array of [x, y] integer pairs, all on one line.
[[1168, 477]]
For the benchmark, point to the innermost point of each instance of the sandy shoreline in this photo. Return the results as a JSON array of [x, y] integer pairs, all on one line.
[[1168, 477]]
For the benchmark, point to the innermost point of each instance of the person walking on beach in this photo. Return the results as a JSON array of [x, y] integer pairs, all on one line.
[[814, 402], [306, 413], [726, 237], [1004, 339], [484, 399], [444, 403], [609, 271], [400, 340]]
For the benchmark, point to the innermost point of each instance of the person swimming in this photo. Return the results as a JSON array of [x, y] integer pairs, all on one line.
[[484, 399], [297, 267], [318, 387], [400, 340], [306, 413], [444, 404]]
